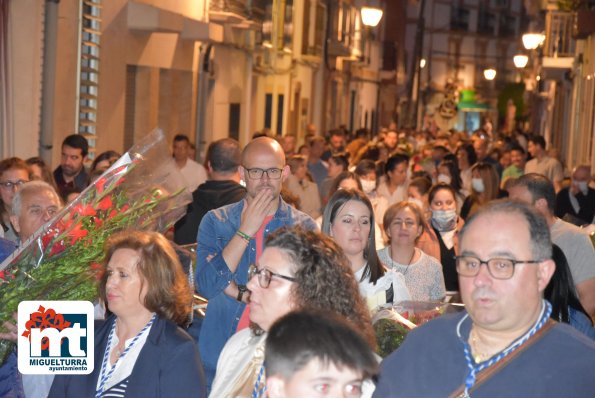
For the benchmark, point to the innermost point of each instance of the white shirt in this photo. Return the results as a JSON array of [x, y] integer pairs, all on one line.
[[375, 294], [194, 174]]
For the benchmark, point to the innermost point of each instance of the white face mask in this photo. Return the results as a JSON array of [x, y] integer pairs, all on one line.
[[583, 186], [477, 184], [444, 178], [368, 186]]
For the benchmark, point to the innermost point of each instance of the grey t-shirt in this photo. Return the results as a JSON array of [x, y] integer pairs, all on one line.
[[577, 248]]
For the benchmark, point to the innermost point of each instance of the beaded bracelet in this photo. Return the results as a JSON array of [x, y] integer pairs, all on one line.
[[244, 236]]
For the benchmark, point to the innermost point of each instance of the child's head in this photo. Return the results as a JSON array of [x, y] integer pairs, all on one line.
[[311, 354]]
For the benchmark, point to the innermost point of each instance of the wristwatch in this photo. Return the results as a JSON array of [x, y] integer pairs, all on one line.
[[241, 290]]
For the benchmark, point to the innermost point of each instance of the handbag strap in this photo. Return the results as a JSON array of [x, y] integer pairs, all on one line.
[[492, 370]]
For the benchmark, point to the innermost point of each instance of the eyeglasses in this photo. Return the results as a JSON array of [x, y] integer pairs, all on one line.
[[499, 268], [406, 223], [273, 173], [265, 276], [12, 184]]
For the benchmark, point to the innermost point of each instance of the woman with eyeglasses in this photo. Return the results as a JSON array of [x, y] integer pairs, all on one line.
[[14, 172], [349, 219], [404, 224], [298, 269]]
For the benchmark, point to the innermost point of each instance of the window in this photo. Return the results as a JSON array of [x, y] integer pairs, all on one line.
[[459, 18]]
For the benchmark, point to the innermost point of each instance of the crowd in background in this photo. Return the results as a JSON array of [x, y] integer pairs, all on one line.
[[390, 207]]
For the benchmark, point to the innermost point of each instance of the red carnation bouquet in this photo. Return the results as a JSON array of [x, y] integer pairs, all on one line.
[[142, 190]]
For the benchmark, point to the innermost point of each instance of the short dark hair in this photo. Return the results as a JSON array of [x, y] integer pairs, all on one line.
[[518, 148], [373, 270], [181, 137], [539, 232], [537, 140], [77, 141], [395, 160], [224, 155], [303, 336], [540, 187], [337, 132], [341, 159]]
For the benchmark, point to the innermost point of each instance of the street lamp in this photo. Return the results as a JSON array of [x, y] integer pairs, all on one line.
[[371, 16], [489, 73], [520, 60], [533, 40]]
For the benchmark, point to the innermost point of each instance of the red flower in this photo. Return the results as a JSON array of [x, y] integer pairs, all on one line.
[[100, 184], [112, 214], [98, 222], [105, 203], [124, 208], [77, 233], [84, 210], [2, 275], [57, 248]]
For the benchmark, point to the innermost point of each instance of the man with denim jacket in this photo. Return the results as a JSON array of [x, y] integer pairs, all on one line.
[[231, 238]]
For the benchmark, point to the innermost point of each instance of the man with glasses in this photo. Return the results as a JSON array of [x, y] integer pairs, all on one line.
[[504, 344], [232, 237]]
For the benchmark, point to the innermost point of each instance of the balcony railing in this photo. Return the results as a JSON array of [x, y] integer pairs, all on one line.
[[559, 40]]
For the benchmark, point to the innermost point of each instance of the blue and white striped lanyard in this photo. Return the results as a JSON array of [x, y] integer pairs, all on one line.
[[258, 391], [546, 311], [105, 377]]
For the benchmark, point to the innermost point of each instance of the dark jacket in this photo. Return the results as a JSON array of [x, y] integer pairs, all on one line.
[[81, 181], [208, 196], [586, 203], [168, 366]]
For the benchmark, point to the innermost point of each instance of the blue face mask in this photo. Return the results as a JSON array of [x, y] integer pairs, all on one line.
[[444, 220]]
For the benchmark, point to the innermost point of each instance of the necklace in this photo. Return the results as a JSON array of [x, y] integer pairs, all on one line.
[[390, 252], [478, 356]]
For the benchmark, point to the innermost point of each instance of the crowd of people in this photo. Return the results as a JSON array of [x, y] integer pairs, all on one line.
[[297, 247]]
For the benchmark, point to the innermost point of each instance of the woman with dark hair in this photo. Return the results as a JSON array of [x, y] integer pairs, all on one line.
[[349, 219], [440, 238], [140, 351], [14, 172], [466, 158], [485, 187], [448, 173], [298, 269], [566, 306], [404, 223], [104, 160]]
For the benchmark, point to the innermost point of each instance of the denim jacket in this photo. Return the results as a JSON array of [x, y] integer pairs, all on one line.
[[216, 229]]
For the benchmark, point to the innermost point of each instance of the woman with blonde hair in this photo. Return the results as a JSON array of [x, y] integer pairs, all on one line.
[[140, 350]]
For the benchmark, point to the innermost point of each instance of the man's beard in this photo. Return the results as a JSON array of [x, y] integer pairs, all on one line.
[[69, 172]]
